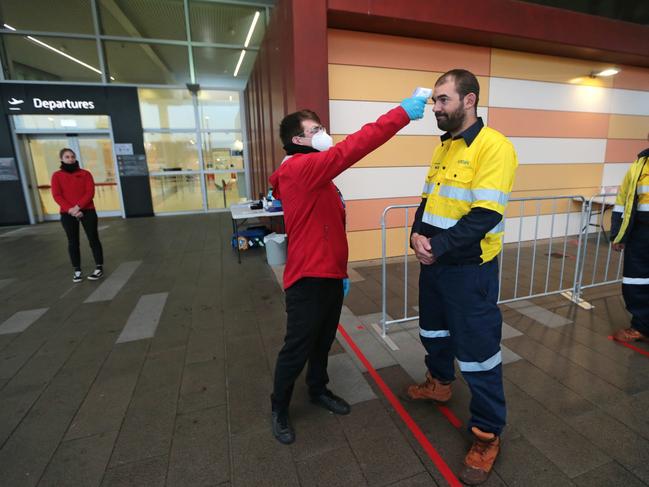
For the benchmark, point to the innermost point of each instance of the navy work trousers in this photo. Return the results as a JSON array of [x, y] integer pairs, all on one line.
[[635, 282], [459, 318]]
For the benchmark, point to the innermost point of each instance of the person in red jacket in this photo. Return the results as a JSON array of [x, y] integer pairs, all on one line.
[[315, 277], [73, 189]]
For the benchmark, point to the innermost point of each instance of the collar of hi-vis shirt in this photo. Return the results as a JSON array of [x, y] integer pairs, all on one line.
[[468, 135]]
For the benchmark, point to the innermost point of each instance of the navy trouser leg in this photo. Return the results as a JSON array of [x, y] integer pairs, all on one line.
[[469, 295], [433, 330], [635, 283]]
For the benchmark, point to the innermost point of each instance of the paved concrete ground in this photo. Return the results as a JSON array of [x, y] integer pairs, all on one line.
[[160, 375]]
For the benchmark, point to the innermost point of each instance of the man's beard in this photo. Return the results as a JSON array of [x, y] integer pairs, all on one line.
[[451, 122]]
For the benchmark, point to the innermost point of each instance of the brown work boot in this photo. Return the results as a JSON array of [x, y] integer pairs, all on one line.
[[481, 457], [629, 335], [431, 390]]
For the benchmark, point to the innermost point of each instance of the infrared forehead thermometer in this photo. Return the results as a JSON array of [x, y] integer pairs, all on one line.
[[425, 92]]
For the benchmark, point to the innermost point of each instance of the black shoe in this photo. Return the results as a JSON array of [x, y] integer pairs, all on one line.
[[77, 276], [97, 274], [331, 402], [282, 429]]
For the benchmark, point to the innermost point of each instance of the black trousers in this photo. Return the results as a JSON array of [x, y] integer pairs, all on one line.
[[313, 311], [71, 227]]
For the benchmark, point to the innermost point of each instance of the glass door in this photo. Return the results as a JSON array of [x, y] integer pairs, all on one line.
[[94, 153], [44, 154]]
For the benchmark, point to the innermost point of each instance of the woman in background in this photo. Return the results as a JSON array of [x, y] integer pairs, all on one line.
[[73, 189]]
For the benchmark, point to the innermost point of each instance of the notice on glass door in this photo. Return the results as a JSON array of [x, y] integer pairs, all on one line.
[[132, 165], [8, 170]]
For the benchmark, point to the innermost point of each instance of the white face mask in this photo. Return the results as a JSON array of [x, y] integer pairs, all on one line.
[[322, 141]]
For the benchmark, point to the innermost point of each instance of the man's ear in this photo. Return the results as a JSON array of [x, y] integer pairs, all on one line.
[[297, 140], [469, 100]]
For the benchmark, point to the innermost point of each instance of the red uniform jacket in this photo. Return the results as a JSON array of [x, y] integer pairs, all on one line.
[[313, 210], [73, 188]]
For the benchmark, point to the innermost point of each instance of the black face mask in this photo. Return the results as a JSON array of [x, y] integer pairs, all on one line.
[[70, 167], [298, 149]]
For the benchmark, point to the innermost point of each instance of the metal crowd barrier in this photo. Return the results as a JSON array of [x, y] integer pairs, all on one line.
[[591, 273], [546, 250]]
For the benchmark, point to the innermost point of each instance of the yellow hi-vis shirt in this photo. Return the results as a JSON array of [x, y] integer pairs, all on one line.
[[463, 176], [633, 196]]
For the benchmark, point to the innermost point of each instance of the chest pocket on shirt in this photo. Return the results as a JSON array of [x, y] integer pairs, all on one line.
[[460, 174]]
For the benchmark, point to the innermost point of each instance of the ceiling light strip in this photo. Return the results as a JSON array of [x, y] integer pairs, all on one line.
[[252, 29], [236, 70]]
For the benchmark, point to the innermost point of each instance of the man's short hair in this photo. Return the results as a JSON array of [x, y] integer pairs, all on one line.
[[291, 124], [465, 83]]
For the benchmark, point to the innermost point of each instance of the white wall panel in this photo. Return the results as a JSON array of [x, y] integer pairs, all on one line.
[[630, 102], [539, 95], [531, 150], [614, 173], [348, 116], [381, 182], [530, 231]]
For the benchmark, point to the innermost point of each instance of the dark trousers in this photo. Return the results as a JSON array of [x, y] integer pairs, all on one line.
[[313, 311], [459, 318], [635, 281], [71, 227]]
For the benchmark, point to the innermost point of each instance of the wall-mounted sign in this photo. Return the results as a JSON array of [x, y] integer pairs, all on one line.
[[53, 99], [123, 149], [132, 165], [8, 170]]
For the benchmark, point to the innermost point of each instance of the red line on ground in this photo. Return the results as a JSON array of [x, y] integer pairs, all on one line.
[[439, 462], [450, 415], [632, 347]]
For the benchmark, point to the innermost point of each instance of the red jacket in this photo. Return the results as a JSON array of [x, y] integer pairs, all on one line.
[[313, 210], [73, 188]]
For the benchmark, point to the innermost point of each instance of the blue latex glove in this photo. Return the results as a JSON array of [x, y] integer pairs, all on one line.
[[345, 287], [414, 107]]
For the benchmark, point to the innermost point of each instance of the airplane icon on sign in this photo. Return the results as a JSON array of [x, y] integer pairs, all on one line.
[[14, 101]]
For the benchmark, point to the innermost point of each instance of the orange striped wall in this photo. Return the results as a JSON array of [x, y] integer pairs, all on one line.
[[381, 68]]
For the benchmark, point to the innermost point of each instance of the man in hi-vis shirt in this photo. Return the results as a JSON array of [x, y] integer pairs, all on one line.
[[456, 236]]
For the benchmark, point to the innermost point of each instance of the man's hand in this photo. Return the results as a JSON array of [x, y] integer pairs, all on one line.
[[74, 210], [618, 247], [422, 248]]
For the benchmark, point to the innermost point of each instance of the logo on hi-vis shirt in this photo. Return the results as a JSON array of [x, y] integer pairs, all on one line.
[[464, 162]]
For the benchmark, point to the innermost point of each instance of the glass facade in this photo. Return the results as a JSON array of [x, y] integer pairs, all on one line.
[[194, 149], [73, 16], [34, 58], [166, 109], [142, 42], [156, 63], [194, 138]]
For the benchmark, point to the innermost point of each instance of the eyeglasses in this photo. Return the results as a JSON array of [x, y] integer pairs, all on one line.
[[312, 131]]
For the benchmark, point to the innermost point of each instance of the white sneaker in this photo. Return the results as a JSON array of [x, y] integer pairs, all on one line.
[[96, 274], [77, 276]]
